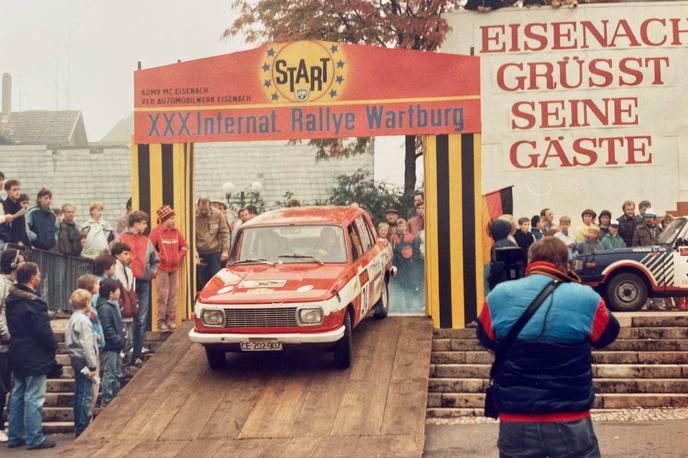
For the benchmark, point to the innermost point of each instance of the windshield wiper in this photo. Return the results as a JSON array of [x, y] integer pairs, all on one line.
[[247, 261], [301, 256]]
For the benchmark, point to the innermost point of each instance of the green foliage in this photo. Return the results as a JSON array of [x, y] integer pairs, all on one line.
[[362, 189]]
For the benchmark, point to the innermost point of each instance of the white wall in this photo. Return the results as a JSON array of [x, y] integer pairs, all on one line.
[[82, 176], [661, 112]]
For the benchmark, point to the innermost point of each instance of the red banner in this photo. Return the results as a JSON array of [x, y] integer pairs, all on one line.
[[308, 89]]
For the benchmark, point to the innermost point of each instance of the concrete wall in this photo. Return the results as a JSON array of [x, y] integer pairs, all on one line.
[[103, 173]]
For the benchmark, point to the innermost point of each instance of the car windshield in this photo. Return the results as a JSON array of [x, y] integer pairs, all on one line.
[[669, 234], [293, 244]]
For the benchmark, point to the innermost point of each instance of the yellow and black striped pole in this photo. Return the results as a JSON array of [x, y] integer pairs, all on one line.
[[163, 174], [453, 235]]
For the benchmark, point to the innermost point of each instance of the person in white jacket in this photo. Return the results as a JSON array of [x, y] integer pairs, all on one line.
[[97, 232]]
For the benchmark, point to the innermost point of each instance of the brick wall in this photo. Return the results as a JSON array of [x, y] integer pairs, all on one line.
[[103, 173]]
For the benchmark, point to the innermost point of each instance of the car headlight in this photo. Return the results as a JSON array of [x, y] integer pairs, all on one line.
[[213, 317], [310, 316]]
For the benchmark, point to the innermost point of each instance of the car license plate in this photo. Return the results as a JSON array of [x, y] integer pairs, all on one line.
[[261, 346]]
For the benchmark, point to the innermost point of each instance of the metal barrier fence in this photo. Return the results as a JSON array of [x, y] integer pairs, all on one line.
[[59, 274]]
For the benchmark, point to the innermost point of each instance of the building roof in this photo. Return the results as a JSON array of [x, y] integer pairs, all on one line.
[[305, 215], [44, 127], [122, 132]]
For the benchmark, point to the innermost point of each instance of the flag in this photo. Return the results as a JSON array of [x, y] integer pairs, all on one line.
[[494, 204]]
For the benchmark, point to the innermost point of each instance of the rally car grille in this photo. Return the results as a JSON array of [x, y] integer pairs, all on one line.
[[261, 318]]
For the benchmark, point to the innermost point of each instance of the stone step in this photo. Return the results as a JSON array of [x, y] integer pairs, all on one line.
[[58, 427], [665, 332], [151, 336], [598, 370], [679, 319], [617, 345], [601, 357], [602, 385], [62, 385], [59, 399], [605, 400], [58, 414]]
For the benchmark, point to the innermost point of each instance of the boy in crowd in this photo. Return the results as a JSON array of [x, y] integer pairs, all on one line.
[[592, 241], [128, 300], [605, 218], [42, 222], [588, 217], [565, 236], [537, 225], [83, 353], [97, 231], [417, 223], [383, 230], [172, 247], [643, 206], [524, 238], [144, 265], [10, 259], [69, 238], [613, 239], [90, 283], [111, 360], [14, 228], [104, 267], [392, 216]]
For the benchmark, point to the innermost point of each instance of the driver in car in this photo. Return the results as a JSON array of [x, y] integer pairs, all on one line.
[[329, 246]]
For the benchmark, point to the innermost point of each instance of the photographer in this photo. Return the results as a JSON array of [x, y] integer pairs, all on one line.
[[543, 387]]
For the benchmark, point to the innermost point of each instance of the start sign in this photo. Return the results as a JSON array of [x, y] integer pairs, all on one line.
[[307, 89], [304, 72]]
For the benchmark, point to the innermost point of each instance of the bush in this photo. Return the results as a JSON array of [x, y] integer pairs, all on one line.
[[376, 198]]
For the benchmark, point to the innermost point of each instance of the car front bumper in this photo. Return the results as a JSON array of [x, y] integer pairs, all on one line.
[[287, 339]]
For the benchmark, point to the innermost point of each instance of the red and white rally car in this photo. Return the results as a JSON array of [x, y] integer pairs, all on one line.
[[296, 276]]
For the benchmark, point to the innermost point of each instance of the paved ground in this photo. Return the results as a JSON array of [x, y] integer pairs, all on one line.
[[658, 439], [638, 439]]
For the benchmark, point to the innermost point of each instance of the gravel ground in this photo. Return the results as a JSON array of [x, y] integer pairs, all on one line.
[[624, 415]]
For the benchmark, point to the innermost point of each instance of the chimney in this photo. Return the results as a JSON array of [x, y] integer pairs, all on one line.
[[6, 94]]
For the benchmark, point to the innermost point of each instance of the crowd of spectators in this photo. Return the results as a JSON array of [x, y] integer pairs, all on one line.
[[593, 233]]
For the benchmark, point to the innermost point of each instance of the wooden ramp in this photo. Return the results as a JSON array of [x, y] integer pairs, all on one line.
[[274, 405]]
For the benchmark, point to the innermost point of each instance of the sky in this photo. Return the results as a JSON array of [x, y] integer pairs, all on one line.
[[81, 55]]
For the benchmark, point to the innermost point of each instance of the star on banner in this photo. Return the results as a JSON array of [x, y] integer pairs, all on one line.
[[274, 96], [267, 83], [271, 52]]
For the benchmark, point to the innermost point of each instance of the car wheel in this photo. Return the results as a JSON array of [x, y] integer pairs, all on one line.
[[343, 350], [216, 358], [381, 308], [626, 292]]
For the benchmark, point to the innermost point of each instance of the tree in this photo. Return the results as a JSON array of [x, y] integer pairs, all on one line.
[[409, 24], [360, 187]]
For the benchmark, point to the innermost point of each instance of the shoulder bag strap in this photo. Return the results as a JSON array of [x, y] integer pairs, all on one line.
[[503, 347]]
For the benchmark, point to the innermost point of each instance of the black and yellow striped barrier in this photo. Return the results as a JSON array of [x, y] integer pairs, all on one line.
[[164, 174], [453, 229]]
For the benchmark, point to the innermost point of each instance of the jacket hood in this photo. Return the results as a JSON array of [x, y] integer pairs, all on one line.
[[103, 302], [21, 293], [499, 229]]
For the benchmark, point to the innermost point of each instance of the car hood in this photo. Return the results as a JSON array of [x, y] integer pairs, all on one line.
[[263, 283]]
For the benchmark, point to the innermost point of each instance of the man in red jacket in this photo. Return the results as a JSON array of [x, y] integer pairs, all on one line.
[[172, 248]]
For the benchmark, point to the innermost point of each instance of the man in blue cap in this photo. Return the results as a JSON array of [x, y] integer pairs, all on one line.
[[646, 234]]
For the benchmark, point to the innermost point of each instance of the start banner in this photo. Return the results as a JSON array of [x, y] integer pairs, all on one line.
[[305, 90]]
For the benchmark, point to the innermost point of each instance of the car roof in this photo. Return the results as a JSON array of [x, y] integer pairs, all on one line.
[[340, 216]]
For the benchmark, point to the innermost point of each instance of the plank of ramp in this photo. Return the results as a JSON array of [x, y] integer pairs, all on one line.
[[201, 448], [363, 400], [407, 396], [158, 449], [251, 448], [278, 407], [240, 396], [199, 405], [111, 420], [163, 402]]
